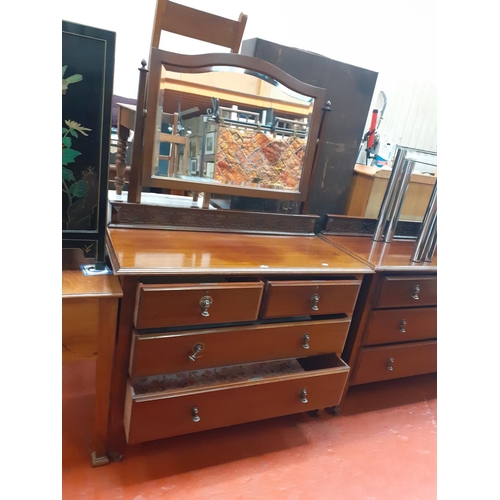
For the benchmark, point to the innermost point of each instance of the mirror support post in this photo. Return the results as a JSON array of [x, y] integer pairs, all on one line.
[[135, 181], [317, 149]]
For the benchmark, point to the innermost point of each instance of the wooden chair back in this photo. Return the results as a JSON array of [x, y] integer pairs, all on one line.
[[193, 23]]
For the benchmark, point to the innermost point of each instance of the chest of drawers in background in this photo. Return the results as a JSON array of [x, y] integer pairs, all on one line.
[[393, 333]]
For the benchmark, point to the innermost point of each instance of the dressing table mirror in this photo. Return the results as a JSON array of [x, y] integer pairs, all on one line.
[[224, 124]]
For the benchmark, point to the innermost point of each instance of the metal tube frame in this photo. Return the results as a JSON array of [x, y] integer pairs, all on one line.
[[407, 170], [390, 192], [427, 227]]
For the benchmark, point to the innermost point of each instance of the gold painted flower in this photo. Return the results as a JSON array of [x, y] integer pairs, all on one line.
[[76, 126]]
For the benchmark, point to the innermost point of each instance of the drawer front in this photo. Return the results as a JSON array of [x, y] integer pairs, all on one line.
[[182, 351], [384, 363], [401, 325], [407, 291], [178, 305], [161, 416], [298, 298]]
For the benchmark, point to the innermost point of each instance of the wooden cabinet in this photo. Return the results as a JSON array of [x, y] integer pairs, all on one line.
[[206, 340], [393, 333]]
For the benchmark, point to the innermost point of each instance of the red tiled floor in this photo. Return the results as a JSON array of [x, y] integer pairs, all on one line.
[[382, 446]]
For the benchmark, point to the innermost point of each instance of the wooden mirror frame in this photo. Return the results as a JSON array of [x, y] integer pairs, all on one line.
[[195, 64]]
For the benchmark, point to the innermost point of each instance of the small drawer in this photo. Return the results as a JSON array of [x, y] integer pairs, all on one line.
[[404, 360], [407, 291], [386, 326], [162, 306], [298, 298], [157, 354], [157, 408]]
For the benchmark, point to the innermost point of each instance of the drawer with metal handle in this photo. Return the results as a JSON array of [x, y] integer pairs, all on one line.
[[154, 354], [407, 291], [298, 298], [401, 325], [160, 407], [161, 306], [403, 360]]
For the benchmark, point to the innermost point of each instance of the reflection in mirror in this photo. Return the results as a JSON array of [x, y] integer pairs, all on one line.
[[230, 126]]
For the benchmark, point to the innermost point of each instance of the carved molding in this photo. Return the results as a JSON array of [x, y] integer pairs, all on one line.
[[125, 214], [360, 226]]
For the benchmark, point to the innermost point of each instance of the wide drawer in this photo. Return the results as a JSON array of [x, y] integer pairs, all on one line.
[[383, 363], [400, 325], [192, 304], [252, 392], [180, 351], [297, 298], [407, 291]]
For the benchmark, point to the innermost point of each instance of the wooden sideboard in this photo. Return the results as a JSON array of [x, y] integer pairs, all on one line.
[[368, 187], [393, 333], [218, 329], [89, 320]]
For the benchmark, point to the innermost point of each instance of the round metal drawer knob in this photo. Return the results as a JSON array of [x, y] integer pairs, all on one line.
[[303, 395], [205, 303], [389, 364], [305, 341], [314, 302], [196, 417], [415, 292]]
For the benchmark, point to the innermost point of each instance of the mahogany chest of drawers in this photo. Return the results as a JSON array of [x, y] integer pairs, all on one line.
[[217, 329], [393, 333]]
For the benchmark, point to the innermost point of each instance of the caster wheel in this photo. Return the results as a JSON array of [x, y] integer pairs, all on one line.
[[116, 457], [313, 413], [333, 410]]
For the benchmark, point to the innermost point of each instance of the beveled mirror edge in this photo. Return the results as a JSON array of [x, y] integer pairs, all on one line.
[[193, 63]]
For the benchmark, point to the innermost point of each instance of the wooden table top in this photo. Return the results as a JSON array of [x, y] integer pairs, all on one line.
[[160, 252], [394, 256], [76, 285]]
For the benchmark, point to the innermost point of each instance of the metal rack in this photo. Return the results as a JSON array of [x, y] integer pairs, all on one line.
[[392, 203]]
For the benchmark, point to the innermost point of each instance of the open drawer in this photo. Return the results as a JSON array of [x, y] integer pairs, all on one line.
[[155, 354], [165, 406]]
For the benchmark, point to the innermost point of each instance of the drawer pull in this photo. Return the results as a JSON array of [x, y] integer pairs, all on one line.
[[402, 326], [389, 364], [315, 300], [205, 303], [196, 417], [303, 395], [416, 291], [197, 348], [305, 341]]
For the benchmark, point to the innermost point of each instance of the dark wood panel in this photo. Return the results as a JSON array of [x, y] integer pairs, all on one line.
[[170, 353], [403, 360], [349, 90]]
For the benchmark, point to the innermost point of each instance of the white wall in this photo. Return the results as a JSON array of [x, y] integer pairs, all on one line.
[[396, 38]]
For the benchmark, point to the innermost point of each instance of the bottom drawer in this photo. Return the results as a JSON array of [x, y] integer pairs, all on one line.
[[165, 406], [404, 360]]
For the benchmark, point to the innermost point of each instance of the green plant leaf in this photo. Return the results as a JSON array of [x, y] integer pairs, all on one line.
[[69, 155], [66, 141], [67, 174], [79, 189], [65, 130], [64, 68], [73, 79], [73, 132]]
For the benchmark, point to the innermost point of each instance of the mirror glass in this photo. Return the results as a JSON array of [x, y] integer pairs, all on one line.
[[231, 126]]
